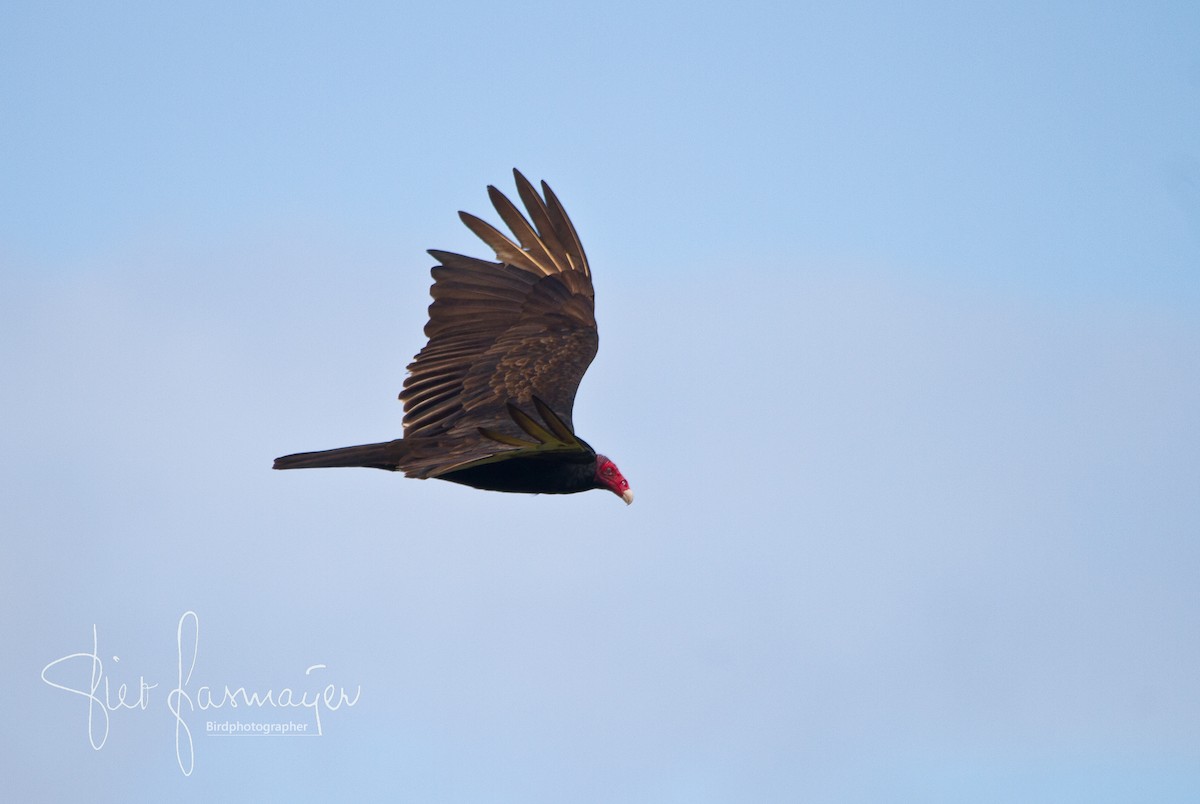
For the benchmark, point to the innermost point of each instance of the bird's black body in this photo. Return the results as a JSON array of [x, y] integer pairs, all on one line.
[[536, 475]]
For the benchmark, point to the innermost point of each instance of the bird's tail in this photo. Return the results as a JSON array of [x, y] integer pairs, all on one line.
[[385, 455]]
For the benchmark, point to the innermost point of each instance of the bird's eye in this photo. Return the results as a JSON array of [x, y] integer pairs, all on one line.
[[607, 470]]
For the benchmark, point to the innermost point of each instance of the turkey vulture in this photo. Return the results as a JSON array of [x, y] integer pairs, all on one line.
[[487, 402]]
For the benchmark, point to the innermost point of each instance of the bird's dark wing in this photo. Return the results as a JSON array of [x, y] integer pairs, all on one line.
[[503, 333]]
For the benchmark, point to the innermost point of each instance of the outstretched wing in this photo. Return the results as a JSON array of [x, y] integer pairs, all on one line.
[[503, 332]]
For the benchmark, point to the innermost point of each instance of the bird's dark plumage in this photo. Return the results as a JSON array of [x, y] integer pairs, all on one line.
[[488, 400]]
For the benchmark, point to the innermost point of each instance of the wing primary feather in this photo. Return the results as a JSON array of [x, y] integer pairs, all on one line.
[[559, 427], [530, 242], [505, 249], [541, 219], [527, 423], [511, 441], [566, 230]]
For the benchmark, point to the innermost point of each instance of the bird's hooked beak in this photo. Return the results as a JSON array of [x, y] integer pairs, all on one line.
[[627, 496]]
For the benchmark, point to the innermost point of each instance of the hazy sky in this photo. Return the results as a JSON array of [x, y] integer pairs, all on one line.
[[900, 350]]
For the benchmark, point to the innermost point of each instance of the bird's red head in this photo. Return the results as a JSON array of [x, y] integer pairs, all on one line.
[[608, 476]]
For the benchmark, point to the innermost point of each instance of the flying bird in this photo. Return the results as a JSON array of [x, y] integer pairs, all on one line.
[[488, 401]]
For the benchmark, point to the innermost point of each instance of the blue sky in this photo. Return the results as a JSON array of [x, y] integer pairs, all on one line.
[[900, 349]]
